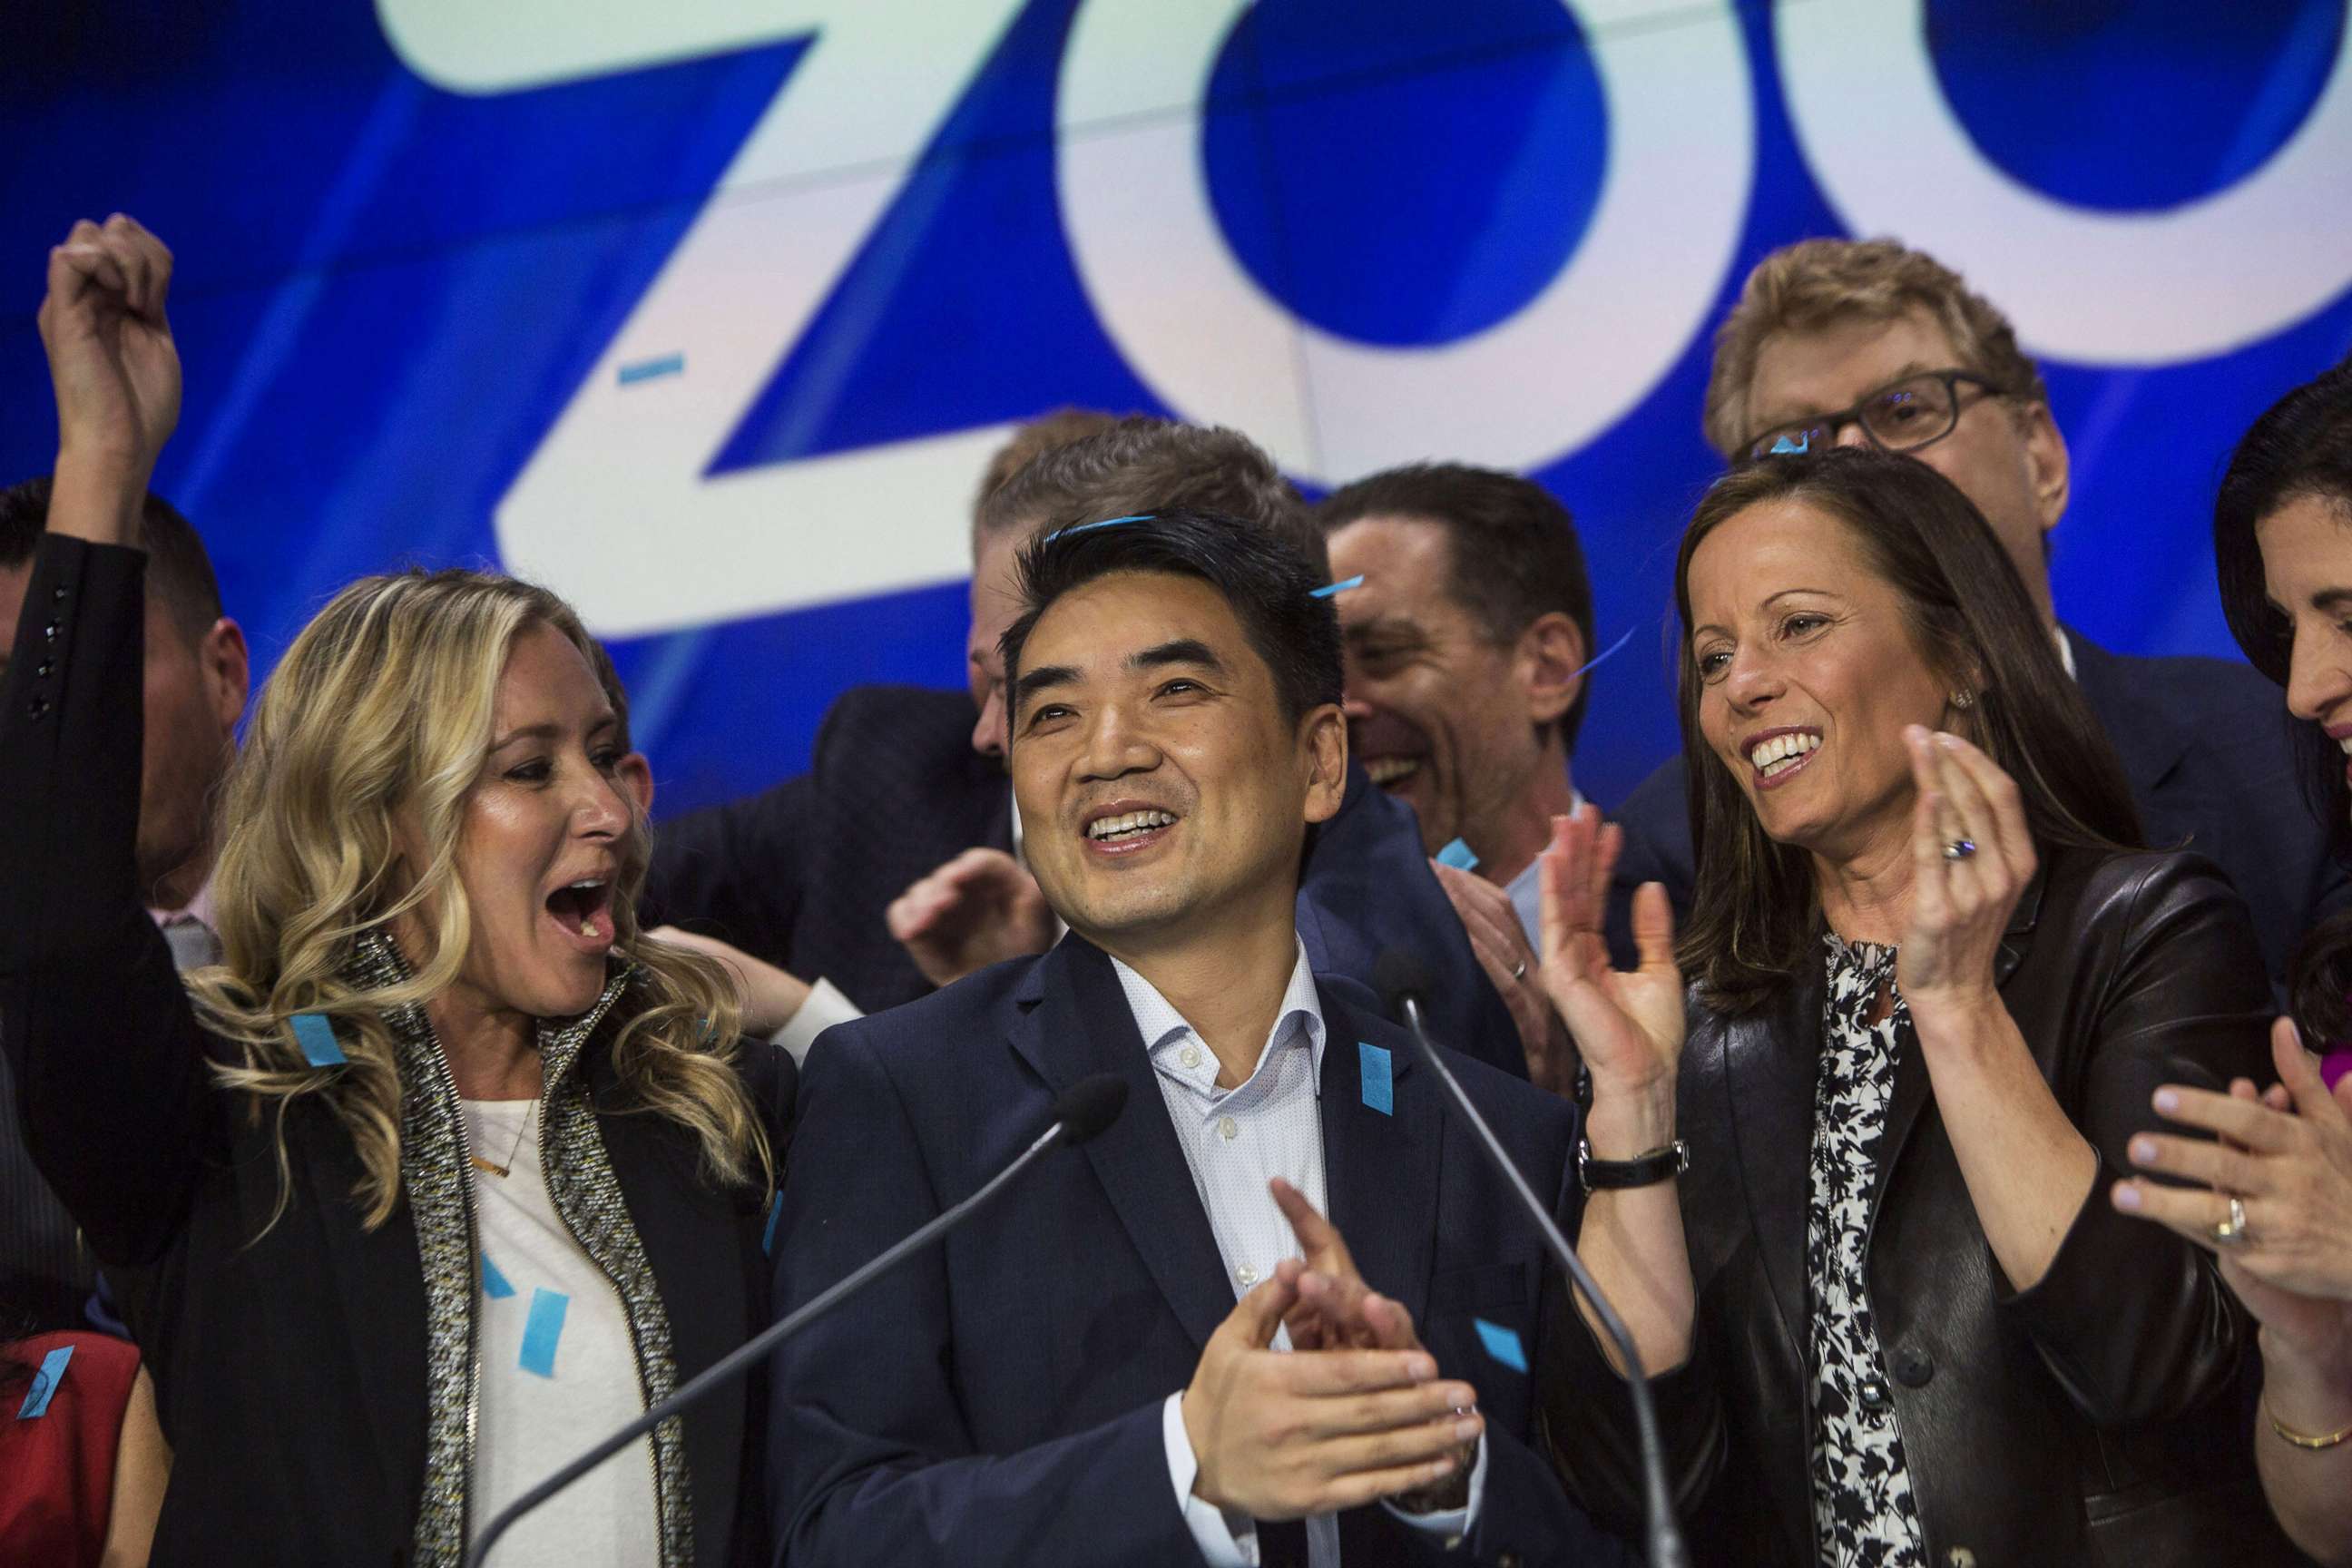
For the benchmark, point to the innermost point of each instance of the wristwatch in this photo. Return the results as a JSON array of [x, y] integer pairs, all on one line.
[[1643, 1170]]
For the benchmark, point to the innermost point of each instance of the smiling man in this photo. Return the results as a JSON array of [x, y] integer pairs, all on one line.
[[1159, 1352], [1866, 343], [1467, 640]]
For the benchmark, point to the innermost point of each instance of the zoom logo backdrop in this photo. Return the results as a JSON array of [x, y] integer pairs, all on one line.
[[709, 315]]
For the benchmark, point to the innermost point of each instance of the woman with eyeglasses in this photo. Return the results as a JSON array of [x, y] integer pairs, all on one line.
[[1846, 1189], [2273, 1202]]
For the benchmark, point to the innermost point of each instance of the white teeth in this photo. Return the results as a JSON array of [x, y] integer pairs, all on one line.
[[2347, 743], [1780, 748], [1133, 822], [587, 885], [1388, 770]]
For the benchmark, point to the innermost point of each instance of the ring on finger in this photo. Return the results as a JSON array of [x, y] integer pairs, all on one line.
[[1520, 970], [1958, 848], [2232, 1231]]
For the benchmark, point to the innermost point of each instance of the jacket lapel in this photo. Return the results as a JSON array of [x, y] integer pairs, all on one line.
[[1380, 1169], [2149, 738], [1770, 1059], [1072, 1020]]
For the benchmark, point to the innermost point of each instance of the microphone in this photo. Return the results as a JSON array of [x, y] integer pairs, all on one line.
[[1080, 1112], [1402, 982]]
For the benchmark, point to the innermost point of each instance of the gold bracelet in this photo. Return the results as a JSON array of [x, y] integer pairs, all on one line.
[[2302, 1440]]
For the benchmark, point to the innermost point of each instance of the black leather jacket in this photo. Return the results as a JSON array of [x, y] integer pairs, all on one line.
[[2100, 1416]]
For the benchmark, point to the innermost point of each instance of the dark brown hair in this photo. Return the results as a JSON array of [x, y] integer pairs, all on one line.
[[1511, 549], [1756, 914], [178, 571], [2301, 446]]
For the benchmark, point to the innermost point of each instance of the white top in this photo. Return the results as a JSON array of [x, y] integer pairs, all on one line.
[[558, 1370], [1236, 1141]]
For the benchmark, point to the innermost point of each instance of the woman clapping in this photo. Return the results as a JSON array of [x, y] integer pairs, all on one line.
[[445, 1171], [1932, 989]]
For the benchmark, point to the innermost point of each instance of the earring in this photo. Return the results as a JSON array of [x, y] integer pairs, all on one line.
[[1964, 699]]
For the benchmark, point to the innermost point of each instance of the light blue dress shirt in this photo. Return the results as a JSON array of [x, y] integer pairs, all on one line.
[[1234, 1142]]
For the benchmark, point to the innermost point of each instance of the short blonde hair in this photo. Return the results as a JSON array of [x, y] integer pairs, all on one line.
[[384, 703], [1819, 283]]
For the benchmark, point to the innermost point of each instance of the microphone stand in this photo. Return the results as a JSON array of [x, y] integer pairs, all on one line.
[[740, 1359], [1666, 1539]]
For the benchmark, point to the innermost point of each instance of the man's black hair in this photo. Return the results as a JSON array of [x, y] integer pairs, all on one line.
[[178, 570], [1269, 583], [1512, 550]]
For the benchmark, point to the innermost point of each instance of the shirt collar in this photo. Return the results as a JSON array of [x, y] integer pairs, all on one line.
[[199, 909], [1526, 889], [1164, 1029]]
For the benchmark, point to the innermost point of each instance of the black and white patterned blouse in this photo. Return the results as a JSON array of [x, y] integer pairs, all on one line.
[[1864, 1515]]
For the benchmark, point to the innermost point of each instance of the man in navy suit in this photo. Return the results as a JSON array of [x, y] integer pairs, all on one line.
[[1157, 1352], [892, 867], [1867, 342]]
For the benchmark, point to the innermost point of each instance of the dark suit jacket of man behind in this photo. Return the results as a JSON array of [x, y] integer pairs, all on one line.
[[999, 1401], [2205, 743], [800, 875]]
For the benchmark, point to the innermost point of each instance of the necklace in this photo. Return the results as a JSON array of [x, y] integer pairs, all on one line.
[[501, 1171]]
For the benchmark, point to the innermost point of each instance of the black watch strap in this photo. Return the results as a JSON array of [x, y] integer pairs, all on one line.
[[1641, 1171]]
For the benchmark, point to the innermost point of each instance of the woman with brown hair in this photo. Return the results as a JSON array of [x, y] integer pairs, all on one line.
[[445, 1169], [1933, 987]]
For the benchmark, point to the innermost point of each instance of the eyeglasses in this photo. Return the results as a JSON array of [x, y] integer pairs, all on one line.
[[1901, 416]]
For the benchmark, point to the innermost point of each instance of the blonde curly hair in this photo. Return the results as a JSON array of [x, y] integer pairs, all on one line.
[[383, 704]]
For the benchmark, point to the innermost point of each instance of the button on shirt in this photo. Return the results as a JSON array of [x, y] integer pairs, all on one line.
[[1234, 1142]]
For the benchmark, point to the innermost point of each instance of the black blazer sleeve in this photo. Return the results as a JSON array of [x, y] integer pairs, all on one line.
[[108, 1061], [2134, 1323], [735, 871]]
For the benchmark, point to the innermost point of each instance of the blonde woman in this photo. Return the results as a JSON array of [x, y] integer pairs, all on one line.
[[445, 1170]]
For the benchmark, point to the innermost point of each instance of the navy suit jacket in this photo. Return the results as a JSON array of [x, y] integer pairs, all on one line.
[[2206, 745], [800, 874], [998, 1400]]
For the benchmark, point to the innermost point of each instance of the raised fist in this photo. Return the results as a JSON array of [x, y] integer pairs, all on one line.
[[111, 358]]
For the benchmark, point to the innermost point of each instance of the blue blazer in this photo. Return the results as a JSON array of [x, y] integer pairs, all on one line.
[[800, 875], [2205, 743], [998, 1400]]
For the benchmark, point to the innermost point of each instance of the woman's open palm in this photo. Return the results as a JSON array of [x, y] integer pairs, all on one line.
[[1627, 1022]]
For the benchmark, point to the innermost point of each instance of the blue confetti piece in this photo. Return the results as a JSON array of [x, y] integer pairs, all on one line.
[[775, 1212], [1612, 648], [1458, 856], [1502, 1343], [1379, 1083], [1787, 445], [1328, 589], [494, 1284], [44, 1384], [317, 1038], [1090, 527], [653, 369], [540, 1330]]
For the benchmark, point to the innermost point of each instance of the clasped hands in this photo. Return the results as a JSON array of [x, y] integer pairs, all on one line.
[[1354, 1412]]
